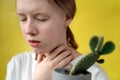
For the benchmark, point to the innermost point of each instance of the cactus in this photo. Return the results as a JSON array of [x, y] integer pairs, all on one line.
[[97, 49]]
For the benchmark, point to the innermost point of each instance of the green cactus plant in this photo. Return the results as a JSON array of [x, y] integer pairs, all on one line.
[[97, 49]]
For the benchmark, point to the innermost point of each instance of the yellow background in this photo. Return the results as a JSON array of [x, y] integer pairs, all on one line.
[[93, 17]]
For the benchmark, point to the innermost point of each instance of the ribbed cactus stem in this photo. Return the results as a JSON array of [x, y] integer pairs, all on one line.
[[97, 48], [84, 63]]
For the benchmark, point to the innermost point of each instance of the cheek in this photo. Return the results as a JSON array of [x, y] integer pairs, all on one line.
[[53, 31], [23, 31], [54, 35], [49, 33]]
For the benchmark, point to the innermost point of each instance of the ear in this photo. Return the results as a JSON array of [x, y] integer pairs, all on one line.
[[68, 20]]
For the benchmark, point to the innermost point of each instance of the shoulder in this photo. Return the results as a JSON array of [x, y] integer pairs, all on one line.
[[21, 58], [98, 72], [18, 64], [23, 54]]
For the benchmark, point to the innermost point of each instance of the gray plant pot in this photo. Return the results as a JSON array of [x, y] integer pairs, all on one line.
[[59, 75]]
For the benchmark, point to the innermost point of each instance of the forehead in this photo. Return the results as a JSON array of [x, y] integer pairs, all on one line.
[[34, 6]]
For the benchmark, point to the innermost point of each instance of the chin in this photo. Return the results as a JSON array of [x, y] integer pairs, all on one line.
[[45, 49], [41, 51]]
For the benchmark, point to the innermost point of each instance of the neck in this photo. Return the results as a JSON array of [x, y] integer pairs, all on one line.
[[74, 52]]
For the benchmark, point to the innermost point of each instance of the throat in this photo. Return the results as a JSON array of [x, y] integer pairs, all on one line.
[[75, 53]]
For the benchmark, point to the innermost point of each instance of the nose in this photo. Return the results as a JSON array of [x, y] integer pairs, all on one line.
[[30, 28]]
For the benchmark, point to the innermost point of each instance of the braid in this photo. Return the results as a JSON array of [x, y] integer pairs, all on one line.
[[70, 39]]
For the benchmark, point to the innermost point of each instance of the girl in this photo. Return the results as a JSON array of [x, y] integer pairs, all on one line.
[[45, 26]]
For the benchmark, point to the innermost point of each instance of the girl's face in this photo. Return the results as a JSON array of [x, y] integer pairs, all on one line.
[[42, 24]]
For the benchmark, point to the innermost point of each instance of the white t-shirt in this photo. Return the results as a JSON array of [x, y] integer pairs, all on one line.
[[21, 67]]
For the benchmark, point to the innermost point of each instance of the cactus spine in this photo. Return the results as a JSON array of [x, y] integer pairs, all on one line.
[[97, 49]]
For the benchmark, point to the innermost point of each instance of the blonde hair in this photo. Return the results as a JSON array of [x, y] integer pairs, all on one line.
[[69, 8]]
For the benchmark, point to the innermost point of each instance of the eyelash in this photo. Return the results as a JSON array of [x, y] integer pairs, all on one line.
[[23, 19], [43, 20]]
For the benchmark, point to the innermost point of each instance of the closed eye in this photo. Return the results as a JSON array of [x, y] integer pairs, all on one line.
[[22, 17], [25, 19], [41, 19]]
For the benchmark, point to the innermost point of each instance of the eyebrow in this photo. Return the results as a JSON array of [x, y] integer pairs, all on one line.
[[43, 14], [36, 14], [21, 14]]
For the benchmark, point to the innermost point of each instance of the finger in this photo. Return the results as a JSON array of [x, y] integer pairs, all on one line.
[[39, 58], [65, 61], [47, 54], [62, 56], [69, 66], [36, 56], [56, 52], [57, 47]]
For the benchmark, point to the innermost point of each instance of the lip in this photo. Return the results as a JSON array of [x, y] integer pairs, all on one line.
[[34, 43]]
